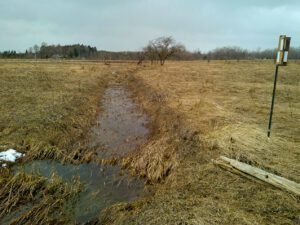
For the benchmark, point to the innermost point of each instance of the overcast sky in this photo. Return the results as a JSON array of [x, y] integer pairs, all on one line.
[[129, 24]]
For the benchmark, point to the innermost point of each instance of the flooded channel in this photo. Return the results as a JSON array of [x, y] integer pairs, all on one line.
[[120, 128], [103, 185]]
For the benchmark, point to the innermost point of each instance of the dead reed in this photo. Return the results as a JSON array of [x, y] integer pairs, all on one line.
[[49, 198]]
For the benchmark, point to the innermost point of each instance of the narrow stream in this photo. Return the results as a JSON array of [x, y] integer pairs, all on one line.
[[120, 128], [103, 186]]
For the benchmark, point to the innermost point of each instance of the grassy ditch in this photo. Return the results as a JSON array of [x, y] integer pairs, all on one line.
[[48, 108], [199, 110], [202, 110]]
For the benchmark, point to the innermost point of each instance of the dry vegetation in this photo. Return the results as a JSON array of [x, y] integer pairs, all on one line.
[[228, 103], [199, 110], [47, 109], [202, 110], [45, 200]]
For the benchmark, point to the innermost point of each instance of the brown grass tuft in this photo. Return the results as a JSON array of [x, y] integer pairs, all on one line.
[[18, 189], [153, 161], [49, 198]]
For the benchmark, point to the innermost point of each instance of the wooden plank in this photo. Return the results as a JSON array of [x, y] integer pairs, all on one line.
[[251, 171]]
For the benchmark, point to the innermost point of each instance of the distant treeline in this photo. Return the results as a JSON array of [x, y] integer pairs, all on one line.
[[79, 51], [239, 53], [54, 51], [235, 53]]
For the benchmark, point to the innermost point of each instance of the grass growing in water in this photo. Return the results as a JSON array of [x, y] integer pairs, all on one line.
[[49, 198]]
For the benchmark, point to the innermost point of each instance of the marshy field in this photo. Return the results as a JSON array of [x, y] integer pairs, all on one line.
[[121, 143]]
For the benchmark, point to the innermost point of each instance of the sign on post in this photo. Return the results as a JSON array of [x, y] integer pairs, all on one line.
[[283, 50], [281, 60]]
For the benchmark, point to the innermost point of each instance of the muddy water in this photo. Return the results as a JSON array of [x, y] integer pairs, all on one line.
[[120, 128], [103, 186]]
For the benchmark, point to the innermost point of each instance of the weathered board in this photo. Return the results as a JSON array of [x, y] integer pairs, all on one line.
[[247, 170]]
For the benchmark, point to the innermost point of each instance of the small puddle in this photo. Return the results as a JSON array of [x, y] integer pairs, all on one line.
[[120, 128]]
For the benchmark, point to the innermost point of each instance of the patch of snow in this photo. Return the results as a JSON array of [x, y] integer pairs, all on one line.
[[10, 155]]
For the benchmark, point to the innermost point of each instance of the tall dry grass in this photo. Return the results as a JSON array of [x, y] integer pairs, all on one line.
[[228, 103], [201, 110], [47, 108], [48, 198]]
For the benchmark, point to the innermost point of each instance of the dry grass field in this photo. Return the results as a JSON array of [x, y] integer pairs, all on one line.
[[47, 109], [198, 111], [49, 105], [228, 104], [203, 110]]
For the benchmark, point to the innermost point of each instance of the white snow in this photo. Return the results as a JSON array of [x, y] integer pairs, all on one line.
[[10, 155]]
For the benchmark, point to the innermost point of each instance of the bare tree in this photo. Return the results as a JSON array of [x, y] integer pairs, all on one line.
[[163, 48], [150, 52]]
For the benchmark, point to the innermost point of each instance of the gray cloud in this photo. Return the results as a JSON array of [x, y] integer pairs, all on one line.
[[129, 24]]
